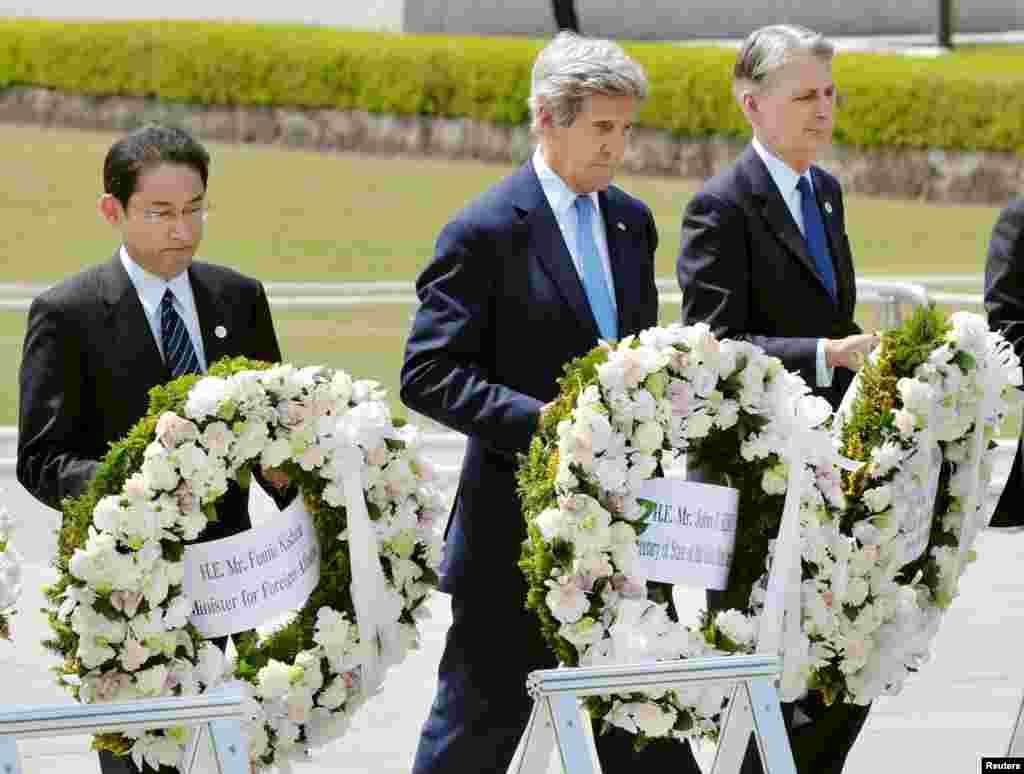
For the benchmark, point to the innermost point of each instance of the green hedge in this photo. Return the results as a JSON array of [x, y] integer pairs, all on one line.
[[973, 99]]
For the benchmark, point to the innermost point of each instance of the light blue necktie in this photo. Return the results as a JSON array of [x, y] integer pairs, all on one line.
[[814, 234], [594, 282]]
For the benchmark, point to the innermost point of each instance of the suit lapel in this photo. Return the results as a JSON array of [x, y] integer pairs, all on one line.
[[132, 335], [776, 213], [628, 291], [211, 312], [547, 244]]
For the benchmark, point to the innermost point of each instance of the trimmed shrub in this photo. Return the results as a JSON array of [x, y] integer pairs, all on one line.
[[970, 100]]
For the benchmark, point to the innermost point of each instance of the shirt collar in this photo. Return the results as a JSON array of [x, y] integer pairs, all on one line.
[[785, 176], [150, 286], [560, 196]]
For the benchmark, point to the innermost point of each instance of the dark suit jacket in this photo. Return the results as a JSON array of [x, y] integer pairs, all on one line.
[[503, 310], [90, 360], [1004, 300], [744, 268]]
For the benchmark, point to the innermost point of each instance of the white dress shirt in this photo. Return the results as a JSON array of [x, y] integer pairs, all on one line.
[[151, 289], [786, 180], [562, 200]]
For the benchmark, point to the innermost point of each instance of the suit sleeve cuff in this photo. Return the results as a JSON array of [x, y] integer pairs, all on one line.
[[823, 372]]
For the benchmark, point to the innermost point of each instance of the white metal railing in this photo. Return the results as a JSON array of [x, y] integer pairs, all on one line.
[[378, 287], [220, 712], [323, 296], [889, 293]]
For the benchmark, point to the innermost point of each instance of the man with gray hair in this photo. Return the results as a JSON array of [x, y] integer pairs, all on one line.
[[531, 274], [765, 257]]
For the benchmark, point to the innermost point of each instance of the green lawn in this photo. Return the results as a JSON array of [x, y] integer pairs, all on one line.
[[284, 214], [290, 215]]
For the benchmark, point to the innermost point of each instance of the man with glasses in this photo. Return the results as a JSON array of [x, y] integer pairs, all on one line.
[[99, 341]]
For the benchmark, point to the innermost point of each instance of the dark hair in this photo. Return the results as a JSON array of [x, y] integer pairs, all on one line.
[[145, 148]]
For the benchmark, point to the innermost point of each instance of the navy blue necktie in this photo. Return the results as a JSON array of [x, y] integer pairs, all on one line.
[[594, 283], [179, 354], [814, 233]]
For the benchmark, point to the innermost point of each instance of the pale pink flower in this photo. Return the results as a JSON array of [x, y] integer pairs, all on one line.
[[172, 430], [294, 413], [680, 395], [110, 684], [185, 497], [134, 654], [377, 456], [126, 601]]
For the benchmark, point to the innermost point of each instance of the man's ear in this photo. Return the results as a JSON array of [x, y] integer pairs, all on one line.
[[111, 210], [749, 104], [547, 120]]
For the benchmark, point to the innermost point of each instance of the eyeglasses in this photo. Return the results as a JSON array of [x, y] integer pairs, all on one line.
[[191, 215]]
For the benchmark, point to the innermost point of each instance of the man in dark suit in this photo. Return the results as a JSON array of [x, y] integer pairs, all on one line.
[[530, 275], [765, 257], [1004, 301], [99, 341]]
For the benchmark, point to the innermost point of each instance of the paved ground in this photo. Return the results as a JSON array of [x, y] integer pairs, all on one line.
[[959, 708]]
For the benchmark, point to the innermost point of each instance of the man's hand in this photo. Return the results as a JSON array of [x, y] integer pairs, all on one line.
[[276, 478], [850, 352]]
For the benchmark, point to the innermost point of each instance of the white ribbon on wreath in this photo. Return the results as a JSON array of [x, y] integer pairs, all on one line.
[[377, 621], [779, 630], [975, 514]]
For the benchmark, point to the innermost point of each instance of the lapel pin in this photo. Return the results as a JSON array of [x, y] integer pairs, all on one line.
[[620, 226], [220, 332], [828, 207]]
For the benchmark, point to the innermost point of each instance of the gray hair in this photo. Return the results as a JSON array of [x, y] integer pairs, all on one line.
[[769, 48], [571, 68]]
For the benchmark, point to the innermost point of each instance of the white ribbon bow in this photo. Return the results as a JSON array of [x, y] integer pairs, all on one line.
[[377, 620]]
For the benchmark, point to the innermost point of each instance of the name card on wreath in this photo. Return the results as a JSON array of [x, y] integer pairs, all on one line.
[[238, 582], [691, 532]]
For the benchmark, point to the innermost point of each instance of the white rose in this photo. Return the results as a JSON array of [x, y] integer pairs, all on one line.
[[566, 600], [648, 437], [159, 474], [916, 395], [728, 414], [737, 627], [151, 682], [190, 459], [856, 592], [204, 397], [273, 680], [970, 331], [334, 695], [553, 524], [276, 452], [878, 498], [642, 716], [884, 458], [697, 425], [332, 629]]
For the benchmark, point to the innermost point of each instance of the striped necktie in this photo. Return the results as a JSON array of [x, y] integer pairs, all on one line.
[[179, 354]]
